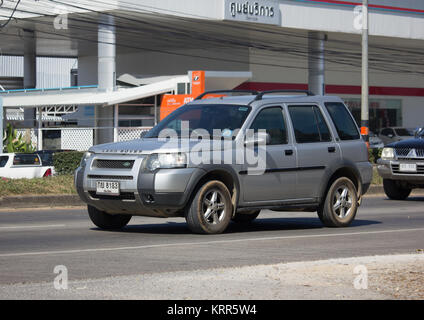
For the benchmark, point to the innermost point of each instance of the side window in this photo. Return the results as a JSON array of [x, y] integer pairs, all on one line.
[[3, 161], [26, 160], [309, 124], [343, 121], [271, 120]]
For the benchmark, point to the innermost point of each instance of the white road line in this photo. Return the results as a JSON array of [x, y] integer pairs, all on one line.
[[202, 243], [32, 227]]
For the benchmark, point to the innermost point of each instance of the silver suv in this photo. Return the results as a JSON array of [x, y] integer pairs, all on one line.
[[308, 151]]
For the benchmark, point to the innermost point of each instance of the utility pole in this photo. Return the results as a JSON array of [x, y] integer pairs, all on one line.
[[364, 88]]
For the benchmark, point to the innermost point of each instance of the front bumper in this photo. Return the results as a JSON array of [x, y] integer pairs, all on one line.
[[163, 193], [389, 169]]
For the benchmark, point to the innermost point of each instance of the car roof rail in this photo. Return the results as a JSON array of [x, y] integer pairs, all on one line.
[[253, 92], [262, 93]]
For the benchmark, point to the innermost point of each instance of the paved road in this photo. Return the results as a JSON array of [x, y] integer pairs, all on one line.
[[33, 242]]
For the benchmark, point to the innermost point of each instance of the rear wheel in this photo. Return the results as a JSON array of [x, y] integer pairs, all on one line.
[[107, 221], [246, 217], [394, 190], [340, 205], [211, 209]]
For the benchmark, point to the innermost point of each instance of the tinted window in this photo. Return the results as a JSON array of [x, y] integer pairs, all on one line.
[[386, 132], [402, 132], [345, 126], [309, 124], [209, 117], [271, 120], [26, 160], [3, 161]]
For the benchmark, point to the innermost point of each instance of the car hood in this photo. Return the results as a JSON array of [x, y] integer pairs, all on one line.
[[148, 146], [408, 143]]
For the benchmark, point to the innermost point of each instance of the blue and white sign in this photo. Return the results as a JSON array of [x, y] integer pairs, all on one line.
[[267, 12]]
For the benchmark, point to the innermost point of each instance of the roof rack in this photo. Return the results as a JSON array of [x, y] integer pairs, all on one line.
[[253, 92], [262, 93]]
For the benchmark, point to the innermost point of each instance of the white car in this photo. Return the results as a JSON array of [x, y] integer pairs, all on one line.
[[375, 141], [394, 134], [23, 165]]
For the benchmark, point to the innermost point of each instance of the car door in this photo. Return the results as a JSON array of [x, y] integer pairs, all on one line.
[[315, 146], [278, 182]]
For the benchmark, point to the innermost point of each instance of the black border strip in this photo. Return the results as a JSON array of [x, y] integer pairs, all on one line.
[[244, 172]]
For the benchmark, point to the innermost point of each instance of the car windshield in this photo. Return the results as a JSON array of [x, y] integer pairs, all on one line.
[[402, 132], [226, 118]]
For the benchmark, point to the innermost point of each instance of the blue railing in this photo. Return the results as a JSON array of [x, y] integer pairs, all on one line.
[[48, 89]]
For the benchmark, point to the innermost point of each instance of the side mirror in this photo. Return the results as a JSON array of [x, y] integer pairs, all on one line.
[[258, 138], [390, 135], [418, 132]]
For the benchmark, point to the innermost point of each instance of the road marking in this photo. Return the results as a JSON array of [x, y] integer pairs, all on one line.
[[32, 227], [20, 254]]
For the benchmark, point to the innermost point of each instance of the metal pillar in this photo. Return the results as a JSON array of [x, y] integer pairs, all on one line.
[[156, 110], [104, 115], [316, 62], [364, 85], [116, 123], [40, 129], [30, 72]]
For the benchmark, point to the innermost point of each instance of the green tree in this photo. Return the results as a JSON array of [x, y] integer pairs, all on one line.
[[14, 143]]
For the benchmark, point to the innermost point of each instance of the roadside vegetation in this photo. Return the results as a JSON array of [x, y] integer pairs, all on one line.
[[63, 184]]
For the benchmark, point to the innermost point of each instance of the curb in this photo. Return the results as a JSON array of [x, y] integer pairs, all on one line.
[[34, 201]]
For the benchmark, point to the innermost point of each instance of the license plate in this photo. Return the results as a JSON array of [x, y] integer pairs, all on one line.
[[107, 187], [408, 167]]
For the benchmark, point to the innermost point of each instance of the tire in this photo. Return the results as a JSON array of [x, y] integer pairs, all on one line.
[[211, 209], [394, 191], [340, 205], [246, 217], [107, 221]]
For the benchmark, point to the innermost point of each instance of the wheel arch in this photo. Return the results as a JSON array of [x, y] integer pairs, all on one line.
[[225, 174], [345, 170]]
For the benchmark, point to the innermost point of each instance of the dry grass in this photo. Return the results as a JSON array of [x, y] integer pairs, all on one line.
[[51, 185]]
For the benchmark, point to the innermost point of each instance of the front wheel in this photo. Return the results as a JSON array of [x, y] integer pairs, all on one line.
[[107, 221], [394, 190], [340, 205], [211, 209]]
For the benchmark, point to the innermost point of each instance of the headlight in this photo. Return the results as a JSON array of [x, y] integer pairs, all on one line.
[[388, 154], [165, 161], [84, 158]]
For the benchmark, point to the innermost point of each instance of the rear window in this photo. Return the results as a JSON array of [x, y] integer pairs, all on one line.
[[345, 126], [26, 160], [3, 161], [309, 124], [402, 132]]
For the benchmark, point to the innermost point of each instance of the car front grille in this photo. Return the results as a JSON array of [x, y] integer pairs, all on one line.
[[404, 153], [113, 164], [395, 169]]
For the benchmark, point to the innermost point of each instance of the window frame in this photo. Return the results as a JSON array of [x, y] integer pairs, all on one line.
[[323, 114], [358, 130], [286, 125], [26, 165]]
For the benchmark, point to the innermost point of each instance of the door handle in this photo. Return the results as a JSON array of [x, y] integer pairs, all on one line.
[[288, 152], [331, 149]]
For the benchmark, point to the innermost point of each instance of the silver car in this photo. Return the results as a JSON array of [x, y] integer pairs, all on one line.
[[312, 158]]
